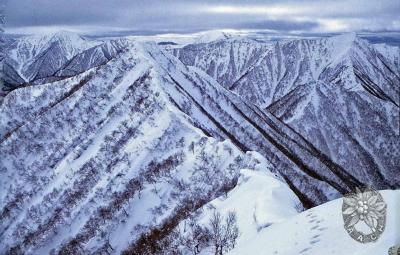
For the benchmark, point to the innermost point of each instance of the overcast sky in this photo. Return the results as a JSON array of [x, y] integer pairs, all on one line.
[[162, 16]]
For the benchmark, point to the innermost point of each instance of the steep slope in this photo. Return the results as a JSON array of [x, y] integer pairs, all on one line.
[[117, 148], [223, 114], [40, 56], [320, 231], [225, 60], [132, 141], [264, 72], [269, 223], [354, 128], [41, 59], [259, 200], [101, 154], [391, 53], [92, 57], [302, 82]]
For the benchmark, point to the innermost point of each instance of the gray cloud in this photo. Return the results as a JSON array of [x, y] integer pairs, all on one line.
[[280, 25], [154, 16]]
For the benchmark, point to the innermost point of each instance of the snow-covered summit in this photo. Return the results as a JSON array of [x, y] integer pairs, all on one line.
[[72, 43], [210, 36], [37, 57]]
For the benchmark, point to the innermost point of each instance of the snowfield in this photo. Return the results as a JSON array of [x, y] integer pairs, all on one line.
[[269, 222], [259, 200], [319, 231]]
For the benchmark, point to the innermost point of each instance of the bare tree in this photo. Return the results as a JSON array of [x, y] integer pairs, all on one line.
[[231, 231], [196, 239], [223, 236], [216, 232]]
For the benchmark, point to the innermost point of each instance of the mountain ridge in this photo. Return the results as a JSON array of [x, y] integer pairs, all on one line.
[[134, 140]]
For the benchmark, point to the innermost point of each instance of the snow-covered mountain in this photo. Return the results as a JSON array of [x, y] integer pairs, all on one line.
[[346, 60], [211, 36], [170, 41], [339, 93], [112, 146], [112, 149], [39, 58]]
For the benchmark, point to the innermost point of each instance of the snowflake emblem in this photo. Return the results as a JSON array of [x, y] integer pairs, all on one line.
[[366, 206], [395, 250]]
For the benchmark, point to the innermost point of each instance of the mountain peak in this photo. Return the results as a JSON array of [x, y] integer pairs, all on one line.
[[66, 38], [341, 45], [349, 36], [214, 35], [346, 40], [64, 34]]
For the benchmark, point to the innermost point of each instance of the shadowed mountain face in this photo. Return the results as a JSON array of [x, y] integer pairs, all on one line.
[[42, 59], [241, 64], [121, 138], [341, 93]]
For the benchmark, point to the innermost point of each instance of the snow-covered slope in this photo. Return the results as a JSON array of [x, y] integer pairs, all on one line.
[[171, 41], [211, 36], [259, 200], [223, 114], [88, 154], [39, 57], [358, 131], [124, 139], [225, 60], [269, 221], [106, 152], [241, 64], [339, 93], [320, 231]]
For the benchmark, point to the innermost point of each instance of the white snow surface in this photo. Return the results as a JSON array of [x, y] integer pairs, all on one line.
[[28, 48], [259, 200], [185, 39], [320, 231]]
